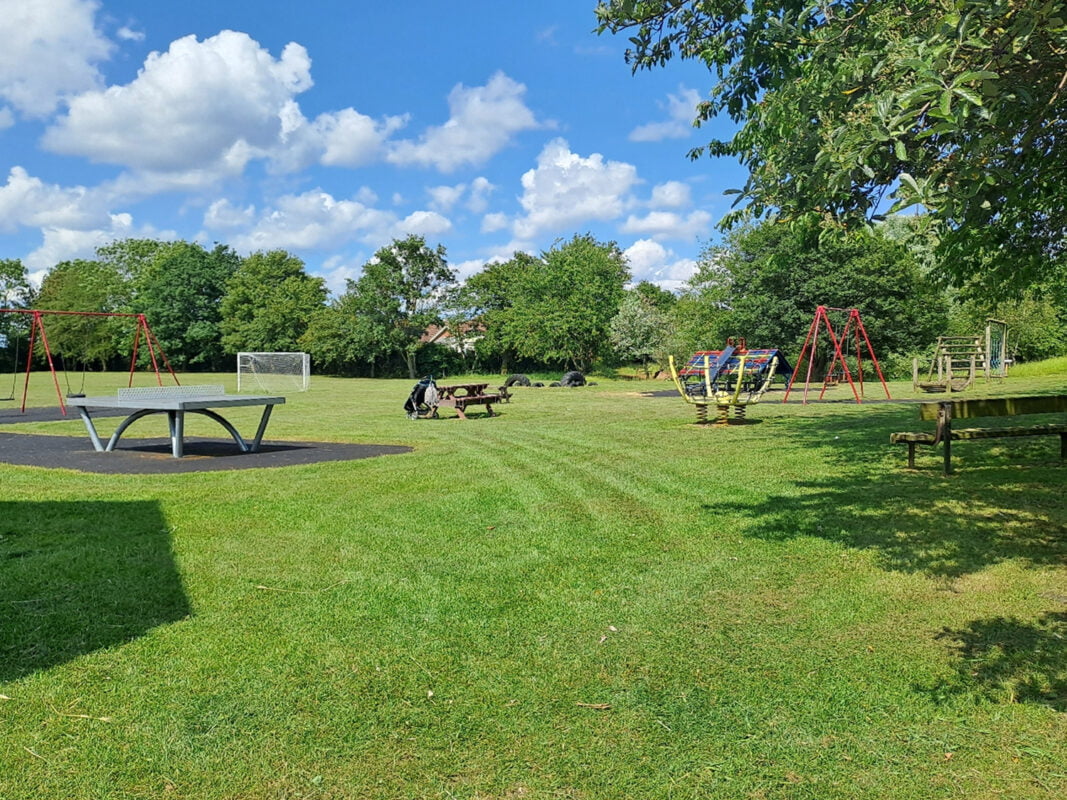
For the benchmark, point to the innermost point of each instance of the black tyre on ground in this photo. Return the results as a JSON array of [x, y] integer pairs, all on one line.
[[517, 380], [573, 378]]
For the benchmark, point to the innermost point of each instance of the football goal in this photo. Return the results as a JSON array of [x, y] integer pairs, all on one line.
[[273, 372]]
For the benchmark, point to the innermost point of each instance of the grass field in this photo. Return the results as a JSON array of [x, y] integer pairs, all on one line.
[[587, 596]]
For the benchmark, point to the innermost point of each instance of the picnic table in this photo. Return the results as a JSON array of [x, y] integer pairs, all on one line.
[[461, 395], [175, 402]]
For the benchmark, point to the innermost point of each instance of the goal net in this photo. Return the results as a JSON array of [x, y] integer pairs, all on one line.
[[273, 372]]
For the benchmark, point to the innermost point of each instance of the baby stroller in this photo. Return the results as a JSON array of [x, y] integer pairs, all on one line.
[[422, 402]]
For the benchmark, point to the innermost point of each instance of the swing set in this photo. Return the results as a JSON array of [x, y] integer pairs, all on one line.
[[853, 334], [37, 330]]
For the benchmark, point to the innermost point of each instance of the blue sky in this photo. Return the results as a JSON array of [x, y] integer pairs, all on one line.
[[329, 128]]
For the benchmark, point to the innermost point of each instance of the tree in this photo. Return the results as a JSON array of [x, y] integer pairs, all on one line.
[[400, 293], [82, 285], [179, 288], [700, 317], [565, 304], [340, 338], [655, 296], [130, 257], [15, 292], [775, 275], [489, 299], [269, 303], [957, 106], [639, 331]]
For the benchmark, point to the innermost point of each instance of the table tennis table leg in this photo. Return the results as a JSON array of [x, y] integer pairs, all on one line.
[[176, 421], [91, 428], [262, 428]]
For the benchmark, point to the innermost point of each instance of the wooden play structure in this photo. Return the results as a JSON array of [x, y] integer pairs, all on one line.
[[734, 377], [853, 342], [958, 360]]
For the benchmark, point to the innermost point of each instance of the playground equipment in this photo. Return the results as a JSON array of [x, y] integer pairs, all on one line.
[[958, 360], [37, 328], [854, 331], [734, 377]]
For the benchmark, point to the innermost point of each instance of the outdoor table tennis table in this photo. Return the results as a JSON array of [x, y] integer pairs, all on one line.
[[175, 402]]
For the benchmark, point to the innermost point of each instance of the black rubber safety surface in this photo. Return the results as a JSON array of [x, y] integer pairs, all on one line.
[[153, 455]]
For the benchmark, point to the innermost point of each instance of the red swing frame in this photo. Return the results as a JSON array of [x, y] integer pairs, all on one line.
[[853, 327], [141, 328]]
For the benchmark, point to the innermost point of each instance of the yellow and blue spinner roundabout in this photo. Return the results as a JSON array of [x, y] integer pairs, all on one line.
[[734, 377]]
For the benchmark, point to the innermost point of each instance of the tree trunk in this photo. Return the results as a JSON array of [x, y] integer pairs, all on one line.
[[410, 359]]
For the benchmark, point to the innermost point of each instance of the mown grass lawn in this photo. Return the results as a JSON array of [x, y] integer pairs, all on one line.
[[587, 596]]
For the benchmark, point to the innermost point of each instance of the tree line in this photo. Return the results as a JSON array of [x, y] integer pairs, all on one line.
[[572, 306]]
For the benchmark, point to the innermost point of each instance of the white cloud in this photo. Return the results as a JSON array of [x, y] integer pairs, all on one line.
[[464, 269], [496, 221], [128, 34], [478, 200], [672, 194], [668, 225], [7, 119], [566, 189], [337, 271], [651, 261], [681, 110], [314, 220], [202, 108], [482, 121], [351, 139], [63, 244], [50, 50], [444, 198], [422, 223], [367, 196], [26, 201], [223, 215]]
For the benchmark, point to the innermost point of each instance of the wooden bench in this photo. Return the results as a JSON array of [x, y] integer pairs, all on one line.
[[945, 411]]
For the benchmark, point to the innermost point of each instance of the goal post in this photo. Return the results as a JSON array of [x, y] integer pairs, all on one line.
[[273, 372]]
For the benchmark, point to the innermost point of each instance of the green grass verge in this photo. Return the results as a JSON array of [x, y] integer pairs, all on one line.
[[586, 597]]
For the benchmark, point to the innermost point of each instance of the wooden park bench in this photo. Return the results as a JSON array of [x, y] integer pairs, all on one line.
[[945, 411], [463, 395]]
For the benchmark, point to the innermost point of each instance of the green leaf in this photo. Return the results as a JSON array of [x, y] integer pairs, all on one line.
[[967, 94], [975, 75]]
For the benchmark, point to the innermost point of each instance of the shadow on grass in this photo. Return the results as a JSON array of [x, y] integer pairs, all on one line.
[[1007, 658], [1005, 503], [79, 576]]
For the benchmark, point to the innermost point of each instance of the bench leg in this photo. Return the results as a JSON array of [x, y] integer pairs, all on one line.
[[911, 455], [948, 456]]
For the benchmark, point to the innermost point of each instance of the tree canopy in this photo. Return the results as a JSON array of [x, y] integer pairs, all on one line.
[[399, 294], [957, 106], [179, 288], [269, 302], [556, 308]]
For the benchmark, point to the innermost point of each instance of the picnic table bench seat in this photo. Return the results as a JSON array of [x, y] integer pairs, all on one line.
[[943, 412]]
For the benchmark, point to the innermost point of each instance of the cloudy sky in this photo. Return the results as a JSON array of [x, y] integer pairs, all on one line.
[[329, 128]]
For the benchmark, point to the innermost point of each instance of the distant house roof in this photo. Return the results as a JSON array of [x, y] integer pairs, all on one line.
[[440, 334]]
